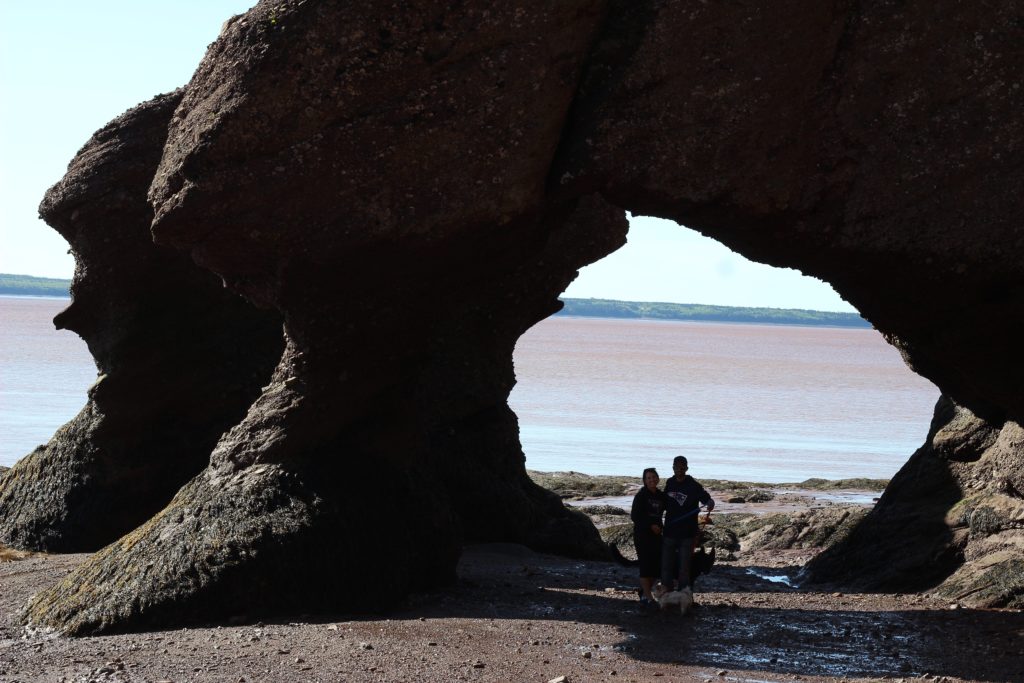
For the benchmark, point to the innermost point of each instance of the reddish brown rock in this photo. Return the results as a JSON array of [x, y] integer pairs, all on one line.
[[413, 188], [951, 518], [179, 358]]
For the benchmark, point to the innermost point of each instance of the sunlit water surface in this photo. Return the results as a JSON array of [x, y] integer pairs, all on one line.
[[754, 402], [44, 374], [750, 402]]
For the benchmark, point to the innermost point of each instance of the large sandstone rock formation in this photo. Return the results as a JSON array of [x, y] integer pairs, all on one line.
[[179, 357], [952, 517], [412, 188]]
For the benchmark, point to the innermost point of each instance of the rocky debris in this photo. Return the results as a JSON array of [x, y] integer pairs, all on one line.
[[621, 536], [814, 528], [13, 554], [579, 486], [750, 496], [412, 188], [604, 515], [179, 358], [602, 510], [721, 537]]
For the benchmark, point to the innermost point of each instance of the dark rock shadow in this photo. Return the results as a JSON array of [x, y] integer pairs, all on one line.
[[506, 582]]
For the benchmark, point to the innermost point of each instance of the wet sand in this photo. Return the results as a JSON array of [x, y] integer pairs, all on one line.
[[520, 616], [516, 615]]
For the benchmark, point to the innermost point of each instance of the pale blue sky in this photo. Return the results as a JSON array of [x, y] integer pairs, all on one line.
[[67, 67]]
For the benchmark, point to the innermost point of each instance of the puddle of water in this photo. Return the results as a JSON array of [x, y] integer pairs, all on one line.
[[867, 498], [774, 578], [811, 498]]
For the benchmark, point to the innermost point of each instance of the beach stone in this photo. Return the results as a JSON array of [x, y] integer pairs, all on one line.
[[411, 188]]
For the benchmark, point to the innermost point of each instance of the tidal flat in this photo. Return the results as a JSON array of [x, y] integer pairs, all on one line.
[[517, 615]]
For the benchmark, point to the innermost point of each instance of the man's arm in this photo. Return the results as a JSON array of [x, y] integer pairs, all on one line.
[[706, 498]]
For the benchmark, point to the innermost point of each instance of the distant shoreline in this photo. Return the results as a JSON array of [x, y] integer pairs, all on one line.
[[609, 309], [29, 285], [642, 310], [9, 295], [701, 321]]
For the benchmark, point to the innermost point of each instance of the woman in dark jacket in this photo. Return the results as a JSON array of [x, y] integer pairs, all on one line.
[[647, 512]]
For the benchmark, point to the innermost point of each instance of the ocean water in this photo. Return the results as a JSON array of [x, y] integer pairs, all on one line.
[[765, 403], [755, 402], [44, 374]]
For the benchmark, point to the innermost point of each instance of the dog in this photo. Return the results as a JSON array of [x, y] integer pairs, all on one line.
[[680, 599], [701, 563]]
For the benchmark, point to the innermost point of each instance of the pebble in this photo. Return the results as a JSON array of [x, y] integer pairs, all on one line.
[[560, 679], [365, 646]]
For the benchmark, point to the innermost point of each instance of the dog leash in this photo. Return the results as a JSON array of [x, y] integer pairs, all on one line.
[[683, 516]]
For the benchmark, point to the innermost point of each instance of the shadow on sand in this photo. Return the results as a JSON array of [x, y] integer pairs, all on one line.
[[742, 622]]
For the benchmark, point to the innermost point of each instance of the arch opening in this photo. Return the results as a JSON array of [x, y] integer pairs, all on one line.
[[603, 391]]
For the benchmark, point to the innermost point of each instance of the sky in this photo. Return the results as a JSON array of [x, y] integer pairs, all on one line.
[[67, 67]]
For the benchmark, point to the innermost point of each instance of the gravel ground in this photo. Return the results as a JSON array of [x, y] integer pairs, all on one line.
[[520, 616]]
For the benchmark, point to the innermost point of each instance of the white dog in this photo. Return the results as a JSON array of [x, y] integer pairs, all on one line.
[[667, 599]]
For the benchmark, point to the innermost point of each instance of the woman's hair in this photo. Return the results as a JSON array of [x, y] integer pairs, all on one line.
[[652, 470]]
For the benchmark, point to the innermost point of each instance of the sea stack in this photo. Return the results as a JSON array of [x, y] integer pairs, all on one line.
[[411, 188]]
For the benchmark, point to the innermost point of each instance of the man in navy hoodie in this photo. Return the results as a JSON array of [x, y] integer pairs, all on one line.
[[683, 498]]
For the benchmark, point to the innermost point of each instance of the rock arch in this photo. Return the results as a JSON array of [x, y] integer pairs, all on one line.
[[413, 189]]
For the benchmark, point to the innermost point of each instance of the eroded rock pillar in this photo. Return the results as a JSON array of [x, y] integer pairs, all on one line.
[[179, 358]]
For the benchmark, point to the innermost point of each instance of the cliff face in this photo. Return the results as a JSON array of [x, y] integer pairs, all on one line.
[[179, 358], [412, 190]]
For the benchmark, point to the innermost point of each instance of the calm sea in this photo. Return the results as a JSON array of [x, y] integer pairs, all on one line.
[[44, 374], [744, 402], [755, 402]]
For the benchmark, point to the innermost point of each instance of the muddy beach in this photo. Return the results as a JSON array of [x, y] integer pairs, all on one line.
[[519, 616], [516, 615]]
